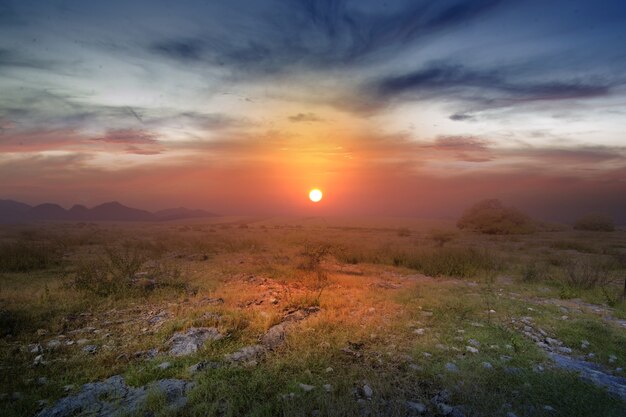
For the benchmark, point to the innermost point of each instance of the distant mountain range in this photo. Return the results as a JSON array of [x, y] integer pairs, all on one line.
[[16, 212]]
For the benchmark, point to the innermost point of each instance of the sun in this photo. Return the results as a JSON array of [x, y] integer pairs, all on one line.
[[315, 195]]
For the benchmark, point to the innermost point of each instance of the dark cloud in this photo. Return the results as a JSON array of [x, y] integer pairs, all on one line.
[[323, 33], [128, 136], [305, 117], [461, 117], [486, 86]]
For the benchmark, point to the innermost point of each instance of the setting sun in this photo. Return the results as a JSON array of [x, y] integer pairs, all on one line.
[[315, 195]]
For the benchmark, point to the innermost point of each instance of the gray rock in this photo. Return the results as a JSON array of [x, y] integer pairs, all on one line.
[[584, 344], [164, 365], [186, 343], [593, 373], [53, 344], [474, 342], [487, 365], [90, 349], [328, 388], [450, 367], [38, 360], [245, 354], [113, 398], [367, 391], [471, 349], [307, 388], [416, 407], [612, 358]]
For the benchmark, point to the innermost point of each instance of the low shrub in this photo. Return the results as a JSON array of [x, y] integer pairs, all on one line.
[[595, 223], [491, 217], [586, 272], [453, 262], [24, 256]]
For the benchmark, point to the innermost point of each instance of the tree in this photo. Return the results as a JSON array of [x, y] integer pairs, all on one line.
[[492, 217]]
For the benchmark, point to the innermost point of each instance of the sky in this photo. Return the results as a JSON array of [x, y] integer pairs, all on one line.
[[396, 108]]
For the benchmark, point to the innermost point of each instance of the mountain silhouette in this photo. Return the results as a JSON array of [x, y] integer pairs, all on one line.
[[16, 212]]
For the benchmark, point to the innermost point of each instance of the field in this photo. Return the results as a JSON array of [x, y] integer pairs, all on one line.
[[310, 317]]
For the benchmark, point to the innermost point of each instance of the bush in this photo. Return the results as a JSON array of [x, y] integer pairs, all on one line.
[[451, 262], [587, 272], [596, 223], [23, 256], [124, 269], [441, 237], [491, 217]]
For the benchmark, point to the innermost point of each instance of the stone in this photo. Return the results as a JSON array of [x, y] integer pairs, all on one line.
[[417, 407], [42, 380], [113, 397], [451, 367], [445, 409], [328, 387], [164, 365], [38, 360], [471, 349], [35, 348], [186, 343], [548, 408], [584, 344], [564, 349], [82, 341], [418, 332], [306, 387], [415, 367], [487, 365], [329, 369], [42, 332], [474, 342], [245, 354], [53, 344], [612, 358], [367, 391], [91, 349]]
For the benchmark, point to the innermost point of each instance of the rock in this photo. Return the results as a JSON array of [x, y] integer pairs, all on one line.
[[275, 336], [306, 388], [245, 354], [548, 408], [82, 341], [35, 348], [53, 344], [90, 349], [474, 342], [419, 408], [113, 397], [450, 367], [487, 365], [553, 342], [329, 369], [186, 343], [164, 365], [612, 358], [445, 409], [584, 344], [418, 331], [471, 349], [42, 332], [505, 358], [68, 388], [367, 391], [38, 360], [538, 368], [328, 387], [564, 349], [42, 380], [415, 367]]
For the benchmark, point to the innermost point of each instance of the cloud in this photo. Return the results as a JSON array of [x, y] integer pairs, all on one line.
[[318, 34], [305, 117], [487, 86], [128, 136]]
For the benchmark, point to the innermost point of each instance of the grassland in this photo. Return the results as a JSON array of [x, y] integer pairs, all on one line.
[[400, 303]]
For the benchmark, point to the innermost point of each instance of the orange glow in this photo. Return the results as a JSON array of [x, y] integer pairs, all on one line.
[[315, 195]]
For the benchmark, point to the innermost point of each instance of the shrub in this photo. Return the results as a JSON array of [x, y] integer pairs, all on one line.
[[124, 269], [441, 237], [452, 262], [491, 217], [23, 256], [404, 232], [587, 272], [596, 223]]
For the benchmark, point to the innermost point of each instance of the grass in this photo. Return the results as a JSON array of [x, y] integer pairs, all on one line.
[[264, 269]]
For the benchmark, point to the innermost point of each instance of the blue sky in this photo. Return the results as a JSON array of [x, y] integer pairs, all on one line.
[[375, 101]]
